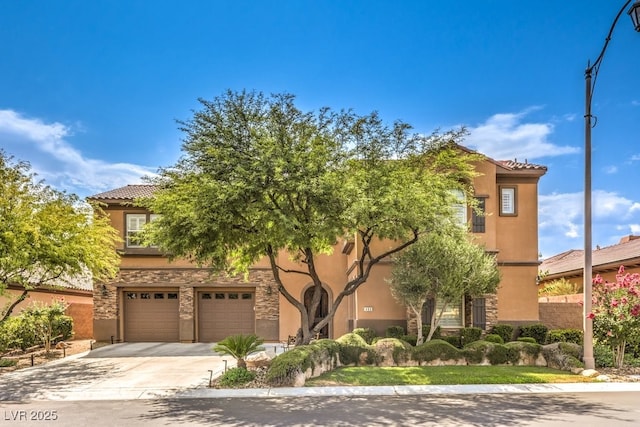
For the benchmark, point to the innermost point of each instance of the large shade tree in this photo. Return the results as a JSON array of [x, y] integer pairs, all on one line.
[[443, 266], [48, 238], [259, 176]]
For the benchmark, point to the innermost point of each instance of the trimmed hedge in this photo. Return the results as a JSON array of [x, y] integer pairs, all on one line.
[[435, 349], [537, 331], [469, 335], [367, 334], [494, 338], [565, 335], [284, 368], [504, 330], [394, 332], [437, 334]]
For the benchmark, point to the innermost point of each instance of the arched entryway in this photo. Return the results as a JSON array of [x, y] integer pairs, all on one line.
[[321, 311]]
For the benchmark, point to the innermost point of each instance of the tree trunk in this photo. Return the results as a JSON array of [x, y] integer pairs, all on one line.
[[435, 319], [619, 354], [418, 313], [13, 305]]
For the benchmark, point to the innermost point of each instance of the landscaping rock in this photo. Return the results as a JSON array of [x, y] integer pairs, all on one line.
[[258, 360]]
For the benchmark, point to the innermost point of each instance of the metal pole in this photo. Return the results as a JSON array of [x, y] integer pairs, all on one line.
[[589, 361]]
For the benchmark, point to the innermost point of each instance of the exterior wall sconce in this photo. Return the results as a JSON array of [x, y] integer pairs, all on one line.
[[103, 290], [269, 290]]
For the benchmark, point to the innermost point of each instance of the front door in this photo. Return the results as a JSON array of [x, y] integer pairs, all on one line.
[[321, 311]]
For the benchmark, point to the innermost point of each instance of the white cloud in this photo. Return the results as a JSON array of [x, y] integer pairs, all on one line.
[[70, 170], [561, 219], [610, 170], [506, 136]]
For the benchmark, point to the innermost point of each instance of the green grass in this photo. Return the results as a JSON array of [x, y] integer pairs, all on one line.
[[443, 375]]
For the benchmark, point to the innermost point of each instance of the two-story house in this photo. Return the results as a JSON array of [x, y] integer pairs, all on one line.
[[153, 299]]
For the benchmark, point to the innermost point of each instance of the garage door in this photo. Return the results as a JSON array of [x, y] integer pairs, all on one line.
[[151, 316], [221, 314]]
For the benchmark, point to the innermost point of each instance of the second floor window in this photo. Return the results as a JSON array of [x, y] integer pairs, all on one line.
[[135, 224], [477, 216], [508, 201], [460, 208]]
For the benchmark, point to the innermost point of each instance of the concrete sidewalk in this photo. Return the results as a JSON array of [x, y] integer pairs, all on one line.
[[155, 371]]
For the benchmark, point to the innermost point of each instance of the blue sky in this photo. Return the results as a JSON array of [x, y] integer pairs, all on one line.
[[90, 91]]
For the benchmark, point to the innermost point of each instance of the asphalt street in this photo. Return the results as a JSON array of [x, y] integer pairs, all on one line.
[[513, 410]]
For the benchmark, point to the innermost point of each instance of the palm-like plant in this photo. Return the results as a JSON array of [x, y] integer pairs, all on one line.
[[239, 347]]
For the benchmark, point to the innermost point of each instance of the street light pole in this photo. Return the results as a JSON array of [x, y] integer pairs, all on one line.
[[634, 12]]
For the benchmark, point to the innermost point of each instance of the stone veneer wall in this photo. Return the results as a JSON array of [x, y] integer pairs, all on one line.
[[106, 297]]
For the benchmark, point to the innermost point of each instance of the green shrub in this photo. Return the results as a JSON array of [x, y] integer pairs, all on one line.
[[367, 334], [565, 335], [454, 340], [504, 330], [529, 347], [352, 339], [63, 327], [469, 335], [435, 349], [410, 339], [475, 352], [352, 346], [537, 331], [5, 363], [527, 339], [500, 354], [570, 349], [436, 335], [401, 349], [394, 332], [629, 360], [236, 377], [494, 338], [286, 366], [603, 356], [20, 332]]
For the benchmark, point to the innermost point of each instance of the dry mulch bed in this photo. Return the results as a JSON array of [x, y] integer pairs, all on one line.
[[24, 358]]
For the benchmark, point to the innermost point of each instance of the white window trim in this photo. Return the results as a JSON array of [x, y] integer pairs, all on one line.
[[460, 209], [450, 308], [508, 201], [142, 219]]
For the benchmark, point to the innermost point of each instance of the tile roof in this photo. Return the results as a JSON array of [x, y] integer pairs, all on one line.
[[516, 165], [627, 252], [129, 192]]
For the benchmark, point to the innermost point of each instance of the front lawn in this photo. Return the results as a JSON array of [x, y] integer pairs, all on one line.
[[442, 375]]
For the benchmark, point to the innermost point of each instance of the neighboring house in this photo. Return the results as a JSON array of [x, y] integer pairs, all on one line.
[[566, 311], [605, 262], [154, 300], [78, 296]]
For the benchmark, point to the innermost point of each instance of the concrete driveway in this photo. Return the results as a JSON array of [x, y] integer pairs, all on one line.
[[119, 371]]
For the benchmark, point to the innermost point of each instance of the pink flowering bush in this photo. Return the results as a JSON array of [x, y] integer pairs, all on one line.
[[616, 312]]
